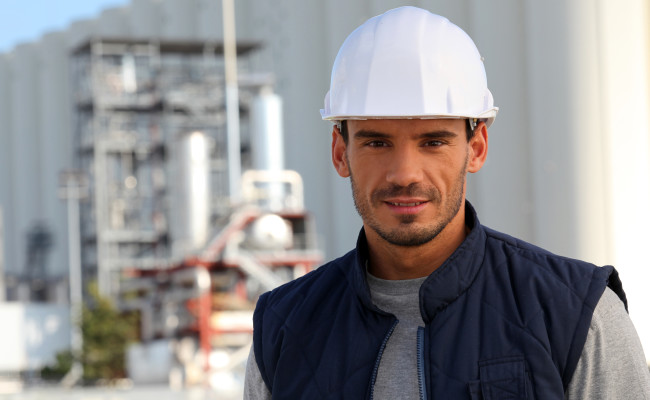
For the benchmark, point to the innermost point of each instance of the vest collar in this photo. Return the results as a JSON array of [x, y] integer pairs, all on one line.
[[446, 283]]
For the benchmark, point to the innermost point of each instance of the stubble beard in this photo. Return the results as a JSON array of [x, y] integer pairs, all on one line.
[[406, 234]]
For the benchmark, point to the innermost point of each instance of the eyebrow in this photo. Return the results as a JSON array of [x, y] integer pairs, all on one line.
[[438, 135], [370, 134]]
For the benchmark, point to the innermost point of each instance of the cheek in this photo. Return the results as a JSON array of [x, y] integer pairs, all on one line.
[[365, 179], [446, 177]]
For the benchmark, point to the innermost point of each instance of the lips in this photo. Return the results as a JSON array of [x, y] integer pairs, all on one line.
[[405, 204], [406, 200]]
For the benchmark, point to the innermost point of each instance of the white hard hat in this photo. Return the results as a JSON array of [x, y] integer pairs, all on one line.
[[408, 63]]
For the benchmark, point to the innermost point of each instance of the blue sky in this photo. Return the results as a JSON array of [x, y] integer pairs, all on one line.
[[27, 20]]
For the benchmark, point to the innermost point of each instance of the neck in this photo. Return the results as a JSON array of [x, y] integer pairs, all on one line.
[[389, 261]]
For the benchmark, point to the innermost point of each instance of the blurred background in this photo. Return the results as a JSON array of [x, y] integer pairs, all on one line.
[[163, 162]]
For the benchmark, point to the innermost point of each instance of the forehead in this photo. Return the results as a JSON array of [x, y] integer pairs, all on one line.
[[404, 126]]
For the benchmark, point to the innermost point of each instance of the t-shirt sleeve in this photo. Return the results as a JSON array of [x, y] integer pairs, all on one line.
[[612, 364], [254, 386]]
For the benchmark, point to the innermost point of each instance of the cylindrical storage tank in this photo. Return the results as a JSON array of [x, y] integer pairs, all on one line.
[[114, 22], [267, 140], [26, 187], [623, 62], [190, 193], [266, 131], [79, 32], [55, 144], [6, 156], [145, 16], [210, 20], [179, 19]]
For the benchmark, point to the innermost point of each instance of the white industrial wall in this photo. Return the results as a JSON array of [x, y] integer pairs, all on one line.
[[26, 164], [34, 134], [6, 176], [54, 138], [37, 333], [568, 167]]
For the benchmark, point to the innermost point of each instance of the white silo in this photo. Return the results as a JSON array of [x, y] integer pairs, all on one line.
[[79, 31], [268, 142], [26, 165], [114, 22], [210, 25], [144, 18], [55, 143], [266, 131], [180, 19], [6, 160], [190, 193]]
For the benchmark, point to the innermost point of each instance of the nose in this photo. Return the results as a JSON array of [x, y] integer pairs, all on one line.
[[404, 168]]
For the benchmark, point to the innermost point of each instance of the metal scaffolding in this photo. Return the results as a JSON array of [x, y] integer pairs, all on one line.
[[132, 101], [165, 230]]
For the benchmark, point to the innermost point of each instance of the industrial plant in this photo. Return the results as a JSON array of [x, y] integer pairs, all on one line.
[[165, 231], [179, 207]]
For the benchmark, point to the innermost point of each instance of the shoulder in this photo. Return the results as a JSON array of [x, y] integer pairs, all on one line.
[[291, 304], [285, 313], [310, 286], [612, 363], [540, 287], [551, 297], [523, 260], [514, 247]]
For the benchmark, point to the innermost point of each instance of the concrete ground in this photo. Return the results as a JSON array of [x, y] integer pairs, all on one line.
[[133, 393]]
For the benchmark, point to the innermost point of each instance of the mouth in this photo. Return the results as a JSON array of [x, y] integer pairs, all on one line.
[[406, 206], [417, 203]]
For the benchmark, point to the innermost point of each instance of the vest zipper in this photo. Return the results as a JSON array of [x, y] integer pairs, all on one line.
[[381, 353], [420, 347]]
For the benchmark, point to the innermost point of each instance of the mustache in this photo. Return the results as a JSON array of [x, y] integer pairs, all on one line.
[[412, 190]]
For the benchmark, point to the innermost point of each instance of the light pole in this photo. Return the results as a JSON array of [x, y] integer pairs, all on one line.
[[232, 100], [73, 187]]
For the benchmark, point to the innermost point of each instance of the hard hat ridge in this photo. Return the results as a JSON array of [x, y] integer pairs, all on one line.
[[408, 63]]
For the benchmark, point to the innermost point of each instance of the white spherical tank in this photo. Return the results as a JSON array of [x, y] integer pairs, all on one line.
[[269, 232]]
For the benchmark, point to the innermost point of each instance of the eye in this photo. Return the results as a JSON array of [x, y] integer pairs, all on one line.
[[377, 143], [433, 143]]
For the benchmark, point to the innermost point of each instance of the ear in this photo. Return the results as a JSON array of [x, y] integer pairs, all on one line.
[[478, 148], [339, 159]]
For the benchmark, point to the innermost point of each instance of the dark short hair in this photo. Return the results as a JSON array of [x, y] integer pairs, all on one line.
[[343, 128], [469, 132]]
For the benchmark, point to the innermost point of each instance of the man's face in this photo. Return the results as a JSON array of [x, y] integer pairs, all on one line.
[[408, 176]]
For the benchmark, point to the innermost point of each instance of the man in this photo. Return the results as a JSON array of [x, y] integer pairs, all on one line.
[[431, 304]]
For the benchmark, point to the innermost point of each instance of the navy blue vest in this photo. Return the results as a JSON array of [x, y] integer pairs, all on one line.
[[504, 320]]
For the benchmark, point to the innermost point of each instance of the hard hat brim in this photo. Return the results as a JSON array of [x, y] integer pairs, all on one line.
[[488, 116]]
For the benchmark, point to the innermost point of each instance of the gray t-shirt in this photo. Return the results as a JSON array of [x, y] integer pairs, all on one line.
[[400, 298], [612, 364]]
